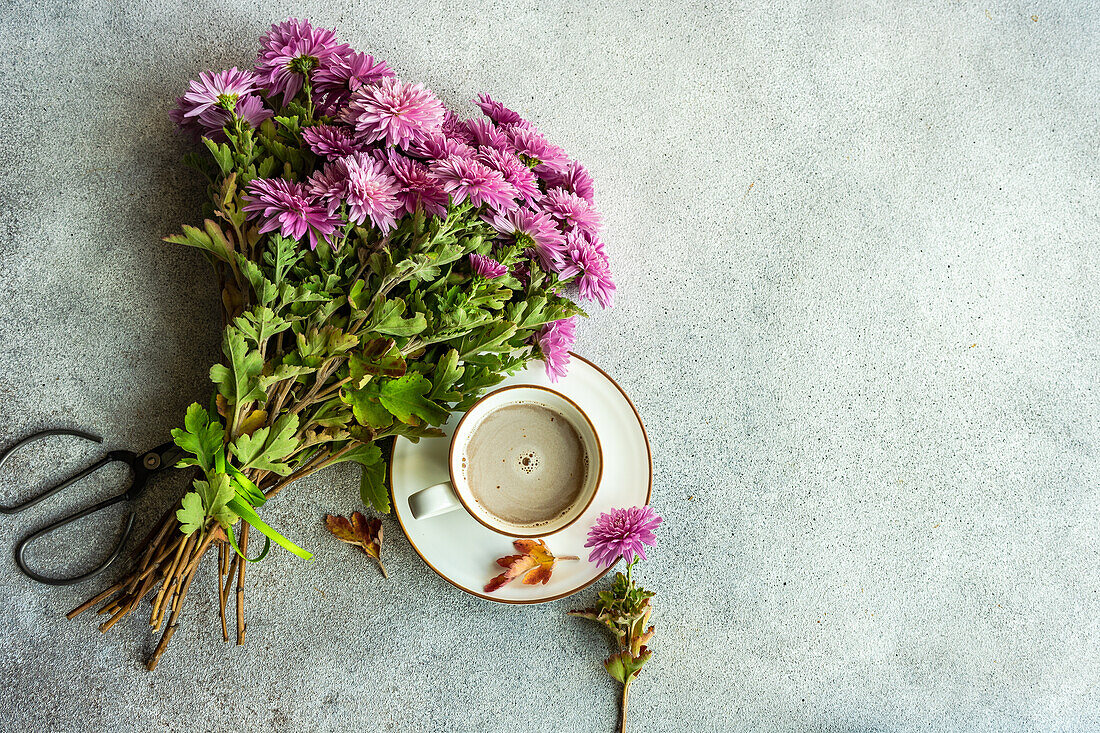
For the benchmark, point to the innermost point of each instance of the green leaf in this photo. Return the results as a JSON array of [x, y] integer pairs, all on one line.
[[367, 407], [267, 447], [405, 398], [238, 382], [249, 515], [191, 515], [364, 455], [200, 437], [260, 324], [387, 319], [447, 372], [372, 487], [222, 154]]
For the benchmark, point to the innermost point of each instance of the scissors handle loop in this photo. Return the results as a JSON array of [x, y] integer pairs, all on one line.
[[21, 547], [15, 509]]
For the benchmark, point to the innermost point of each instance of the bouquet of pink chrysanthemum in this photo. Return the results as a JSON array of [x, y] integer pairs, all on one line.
[[382, 262]]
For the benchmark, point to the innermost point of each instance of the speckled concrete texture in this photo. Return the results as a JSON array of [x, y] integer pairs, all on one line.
[[856, 246]]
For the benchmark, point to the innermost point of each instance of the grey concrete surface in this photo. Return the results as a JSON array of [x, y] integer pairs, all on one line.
[[856, 245]]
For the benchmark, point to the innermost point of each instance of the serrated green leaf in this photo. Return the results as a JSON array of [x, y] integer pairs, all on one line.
[[191, 515], [372, 487], [200, 437], [367, 407], [387, 319], [222, 154], [406, 399]]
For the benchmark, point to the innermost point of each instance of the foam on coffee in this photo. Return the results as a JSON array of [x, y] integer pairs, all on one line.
[[525, 464]]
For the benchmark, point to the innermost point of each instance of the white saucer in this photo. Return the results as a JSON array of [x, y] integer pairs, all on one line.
[[464, 552]]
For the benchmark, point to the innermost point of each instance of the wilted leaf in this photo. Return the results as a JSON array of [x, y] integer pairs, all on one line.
[[535, 563], [360, 531]]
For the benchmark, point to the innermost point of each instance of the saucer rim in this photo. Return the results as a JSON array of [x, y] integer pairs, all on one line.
[[532, 601]]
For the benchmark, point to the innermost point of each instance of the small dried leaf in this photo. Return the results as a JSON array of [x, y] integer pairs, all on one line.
[[360, 531], [535, 563], [255, 420]]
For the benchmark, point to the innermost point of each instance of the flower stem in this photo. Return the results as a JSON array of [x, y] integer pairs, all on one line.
[[622, 712]]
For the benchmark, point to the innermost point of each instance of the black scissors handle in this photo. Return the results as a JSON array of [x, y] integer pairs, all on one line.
[[141, 467], [67, 482], [21, 546]]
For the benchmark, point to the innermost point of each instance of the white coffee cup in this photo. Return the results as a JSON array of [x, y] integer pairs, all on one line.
[[456, 493]]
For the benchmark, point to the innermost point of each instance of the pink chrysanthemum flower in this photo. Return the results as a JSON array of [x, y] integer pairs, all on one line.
[[571, 210], [438, 147], [464, 178], [455, 129], [485, 133], [364, 184], [554, 341], [286, 206], [252, 110], [573, 178], [497, 112], [535, 150], [586, 259], [486, 267], [418, 189], [534, 230], [329, 141], [216, 90], [342, 75], [513, 170], [622, 533], [291, 51], [395, 112]]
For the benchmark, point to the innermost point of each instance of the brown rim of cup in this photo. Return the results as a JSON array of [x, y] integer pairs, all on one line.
[[520, 535]]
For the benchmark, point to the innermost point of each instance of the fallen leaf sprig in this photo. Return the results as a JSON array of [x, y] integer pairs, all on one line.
[[361, 532], [535, 563]]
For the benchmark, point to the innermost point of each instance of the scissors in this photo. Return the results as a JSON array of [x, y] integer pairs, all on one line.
[[142, 466]]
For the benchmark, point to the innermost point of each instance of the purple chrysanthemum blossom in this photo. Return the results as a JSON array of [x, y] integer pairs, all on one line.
[[586, 259], [573, 178], [364, 184], [497, 112], [487, 134], [286, 206], [571, 210], [438, 147], [455, 128], [465, 178], [252, 110], [342, 75], [554, 341], [418, 189], [486, 267], [513, 170], [395, 112], [329, 141], [535, 150], [622, 533], [216, 90], [291, 51], [534, 230]]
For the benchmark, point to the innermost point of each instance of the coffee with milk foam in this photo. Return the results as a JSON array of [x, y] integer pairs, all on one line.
[[525, 464]]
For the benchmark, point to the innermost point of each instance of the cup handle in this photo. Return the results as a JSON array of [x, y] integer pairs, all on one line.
[[433, 501]]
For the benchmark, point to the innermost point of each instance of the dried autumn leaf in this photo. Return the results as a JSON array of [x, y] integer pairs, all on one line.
[[535, 563], [361, 532]]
